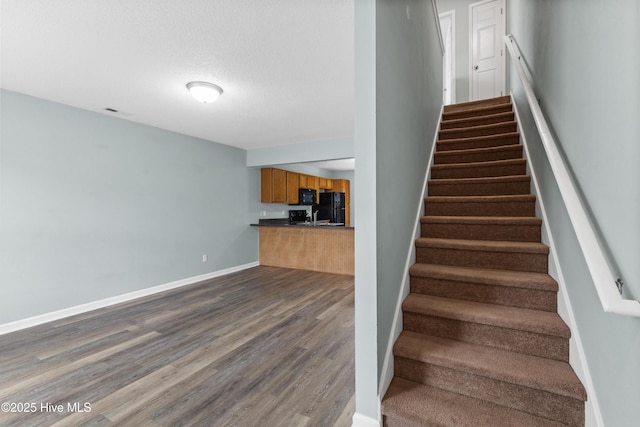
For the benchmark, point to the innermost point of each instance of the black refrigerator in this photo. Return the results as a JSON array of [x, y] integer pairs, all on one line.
[[331, 207]]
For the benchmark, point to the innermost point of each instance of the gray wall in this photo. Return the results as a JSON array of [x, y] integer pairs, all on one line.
[[398, 99], [94, 207], [581, 55]]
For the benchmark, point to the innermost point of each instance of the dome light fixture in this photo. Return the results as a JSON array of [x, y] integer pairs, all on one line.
[[204, 92]]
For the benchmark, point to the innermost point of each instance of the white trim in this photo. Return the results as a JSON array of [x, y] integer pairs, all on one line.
[[470, 41], [577, 357], [434, 5], [83, 308], [360, 420], [599, 268], [396, 327]]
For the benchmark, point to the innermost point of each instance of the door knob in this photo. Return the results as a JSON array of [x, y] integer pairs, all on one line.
[[475, 68]]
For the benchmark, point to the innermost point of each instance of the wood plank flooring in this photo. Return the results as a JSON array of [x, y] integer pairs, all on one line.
[[266, 346]]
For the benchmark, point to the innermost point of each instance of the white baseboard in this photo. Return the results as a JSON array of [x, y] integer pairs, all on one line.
[[360, 420], [83, 308]]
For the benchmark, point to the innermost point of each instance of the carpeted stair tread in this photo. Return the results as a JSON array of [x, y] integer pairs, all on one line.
[[483, 186], [509, 138], [481, 220], [409, 404], [504, 205], [473, 165], [503, 152], [537, 291], [509, 255], [474, 105], [479, 169], [482, 130], [483, 245], [486, 276], [479, 180], [548, 375], [498, 228], [477, 120], [477, 111], [522, 319]]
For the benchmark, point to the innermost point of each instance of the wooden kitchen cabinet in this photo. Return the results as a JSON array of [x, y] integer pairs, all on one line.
[[340, 185], [303, 180], [293, 185], [273, 185], [325, 183], [313, 182], [266, 185], [309, 181], [279, 186]]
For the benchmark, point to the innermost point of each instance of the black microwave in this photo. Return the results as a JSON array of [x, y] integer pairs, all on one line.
[[306, 196]]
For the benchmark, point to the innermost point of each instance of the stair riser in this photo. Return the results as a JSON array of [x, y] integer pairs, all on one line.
[[476, 121], [535, 344], [506, 153], [486, 111], [467, 106], [478, 171], [477, 131], [517, 261], [537, 402], [470, 208], [492, 294], [501, 188], [472, 143], [522, 233]]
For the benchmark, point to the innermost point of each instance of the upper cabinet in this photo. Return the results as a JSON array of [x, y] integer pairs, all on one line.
[[273, 185], [293, 186], [309, 181], [326, 183], [281, 186]]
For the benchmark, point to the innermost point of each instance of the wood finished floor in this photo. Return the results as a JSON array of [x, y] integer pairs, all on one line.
[[265, 346]]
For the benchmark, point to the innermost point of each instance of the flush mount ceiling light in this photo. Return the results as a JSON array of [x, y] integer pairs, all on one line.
[[204, 92]]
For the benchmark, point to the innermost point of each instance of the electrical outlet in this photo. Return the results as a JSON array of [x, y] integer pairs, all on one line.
[[263, 213], [205, 258]]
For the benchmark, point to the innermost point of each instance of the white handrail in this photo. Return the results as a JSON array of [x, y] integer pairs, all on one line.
[[603, 278]]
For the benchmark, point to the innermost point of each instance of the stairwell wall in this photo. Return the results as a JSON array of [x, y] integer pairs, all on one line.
[[398, 100], [586, 80], [409, 98]]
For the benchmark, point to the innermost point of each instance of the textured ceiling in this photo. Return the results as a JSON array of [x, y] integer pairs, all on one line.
[[286, 66]]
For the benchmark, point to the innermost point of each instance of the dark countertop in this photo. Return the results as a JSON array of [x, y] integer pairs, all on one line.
[[282, 224]]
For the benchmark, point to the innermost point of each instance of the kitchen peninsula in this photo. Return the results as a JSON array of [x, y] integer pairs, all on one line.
[[307, 247]]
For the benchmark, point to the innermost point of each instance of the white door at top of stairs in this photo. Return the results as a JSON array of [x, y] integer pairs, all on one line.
[[486, 32]]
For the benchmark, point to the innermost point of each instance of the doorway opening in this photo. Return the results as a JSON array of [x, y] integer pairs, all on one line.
[[447, 26]]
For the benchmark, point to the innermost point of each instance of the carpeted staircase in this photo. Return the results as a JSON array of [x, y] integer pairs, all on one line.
[[482, 343]]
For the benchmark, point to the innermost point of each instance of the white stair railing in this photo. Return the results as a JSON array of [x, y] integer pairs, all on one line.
[[608, 287]]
